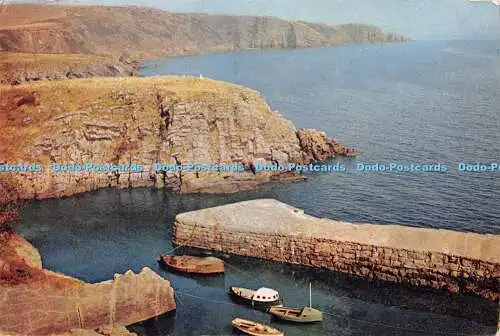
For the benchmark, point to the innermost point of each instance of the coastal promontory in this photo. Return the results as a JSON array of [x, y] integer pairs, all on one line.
[[48, 42], [142, 32], [143, 123]]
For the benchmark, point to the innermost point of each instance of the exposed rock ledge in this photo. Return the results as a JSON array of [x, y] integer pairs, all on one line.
[[170, 120], [107, 330], [18, 68], [35, 301]]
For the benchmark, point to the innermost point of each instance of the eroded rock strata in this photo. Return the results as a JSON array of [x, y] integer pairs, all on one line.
[[107, 330], [18, 68], [151, 33], [35, 301], [144, 121]]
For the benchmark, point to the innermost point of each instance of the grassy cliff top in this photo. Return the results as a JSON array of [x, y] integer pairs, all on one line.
[[29, 110], [43, 58], [17, 67]]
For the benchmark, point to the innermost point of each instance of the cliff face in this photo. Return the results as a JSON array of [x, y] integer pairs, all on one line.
[[127, 299], [107, 330], [18, 68], [149, 33], [167, 120], [36, 301]]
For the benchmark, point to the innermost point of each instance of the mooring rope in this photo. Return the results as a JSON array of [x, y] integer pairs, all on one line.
[[253, 277], [205, 299], [172, 250], [183, 245]]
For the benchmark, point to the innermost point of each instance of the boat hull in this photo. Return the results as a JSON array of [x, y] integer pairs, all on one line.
[[254, 303], [192, 265], [304, 315], [255, 329]]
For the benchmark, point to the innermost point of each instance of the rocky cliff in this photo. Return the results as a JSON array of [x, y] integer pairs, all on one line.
[[35, 301], [151, 33], [107, 330], [18, 68], [144, 121]]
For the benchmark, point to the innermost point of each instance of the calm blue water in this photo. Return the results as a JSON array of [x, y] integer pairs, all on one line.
[[420, 102], [433, 102]]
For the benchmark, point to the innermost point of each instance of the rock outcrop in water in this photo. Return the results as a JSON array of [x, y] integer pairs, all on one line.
[[133, 121], [35, 301], [316, 146]]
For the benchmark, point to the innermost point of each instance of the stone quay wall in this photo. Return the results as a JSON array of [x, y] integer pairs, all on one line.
[[268, 229]]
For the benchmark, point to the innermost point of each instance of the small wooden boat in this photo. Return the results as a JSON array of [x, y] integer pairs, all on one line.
[[261, 298], [300, 315], [254, 328], [193, 265]]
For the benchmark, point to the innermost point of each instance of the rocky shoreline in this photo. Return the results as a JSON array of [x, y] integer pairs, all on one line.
[[36, 301], [19, 68], [149, 33], [172, 120]]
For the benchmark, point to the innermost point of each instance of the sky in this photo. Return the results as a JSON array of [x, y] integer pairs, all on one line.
[[417, 19]]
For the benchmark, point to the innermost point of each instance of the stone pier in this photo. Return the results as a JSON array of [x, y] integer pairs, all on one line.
[[269, 229]]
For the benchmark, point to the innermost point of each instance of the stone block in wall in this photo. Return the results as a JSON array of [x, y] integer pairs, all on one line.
[[400, 264]]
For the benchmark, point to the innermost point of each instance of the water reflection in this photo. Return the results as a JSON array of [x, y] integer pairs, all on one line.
[[95, 235]]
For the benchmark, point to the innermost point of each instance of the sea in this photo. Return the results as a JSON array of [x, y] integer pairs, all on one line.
[[419, 103]]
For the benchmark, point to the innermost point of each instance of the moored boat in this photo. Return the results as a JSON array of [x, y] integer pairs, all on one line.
[[193, 265], [261, 298], [254, 328], [300, 315]]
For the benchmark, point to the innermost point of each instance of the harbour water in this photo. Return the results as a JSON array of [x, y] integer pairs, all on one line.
[[420, 102]]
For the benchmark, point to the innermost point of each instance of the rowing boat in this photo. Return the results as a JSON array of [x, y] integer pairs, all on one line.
[[191, 264], [254, 328]]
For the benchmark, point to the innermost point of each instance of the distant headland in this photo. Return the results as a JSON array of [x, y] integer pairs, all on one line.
[[86, 41]]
